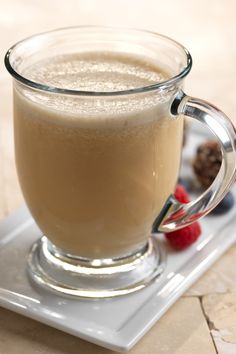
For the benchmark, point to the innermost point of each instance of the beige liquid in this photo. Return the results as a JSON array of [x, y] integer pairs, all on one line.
[[95, 172]]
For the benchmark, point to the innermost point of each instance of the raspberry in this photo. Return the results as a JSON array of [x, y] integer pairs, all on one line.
[[181, 195], [181, 239]]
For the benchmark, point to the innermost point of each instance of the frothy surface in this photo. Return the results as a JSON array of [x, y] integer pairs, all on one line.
[[95, 72]]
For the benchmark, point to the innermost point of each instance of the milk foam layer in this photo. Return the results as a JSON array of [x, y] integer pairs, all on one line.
[[95, 72], [98, 72]]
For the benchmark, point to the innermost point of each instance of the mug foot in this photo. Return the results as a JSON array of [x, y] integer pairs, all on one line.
[[55, 270]]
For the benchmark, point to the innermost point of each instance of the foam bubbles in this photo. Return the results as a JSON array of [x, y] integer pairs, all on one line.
[[95, 72]]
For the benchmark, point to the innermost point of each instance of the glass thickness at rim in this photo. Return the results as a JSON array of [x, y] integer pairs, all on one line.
[[161, 85]]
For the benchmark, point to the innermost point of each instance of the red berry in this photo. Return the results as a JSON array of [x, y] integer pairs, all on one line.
[[180, 239], [181, 195]]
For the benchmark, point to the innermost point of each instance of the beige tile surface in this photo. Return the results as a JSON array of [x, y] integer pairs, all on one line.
[[221, 278], [183, 330], [220, 310], [208, 30]]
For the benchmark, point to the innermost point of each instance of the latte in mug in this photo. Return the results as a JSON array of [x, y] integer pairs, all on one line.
[[96, 172]]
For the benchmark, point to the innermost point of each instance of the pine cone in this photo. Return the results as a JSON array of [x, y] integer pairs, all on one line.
[[207, 162]]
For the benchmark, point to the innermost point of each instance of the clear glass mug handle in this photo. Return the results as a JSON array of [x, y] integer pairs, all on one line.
[[176, 215]]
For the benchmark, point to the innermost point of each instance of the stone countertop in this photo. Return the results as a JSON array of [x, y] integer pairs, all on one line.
[[204, 319]]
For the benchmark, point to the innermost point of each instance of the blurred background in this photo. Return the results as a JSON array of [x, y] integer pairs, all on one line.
[[206, 28]]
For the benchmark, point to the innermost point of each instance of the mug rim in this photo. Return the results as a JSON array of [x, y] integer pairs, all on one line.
[[53, 89]]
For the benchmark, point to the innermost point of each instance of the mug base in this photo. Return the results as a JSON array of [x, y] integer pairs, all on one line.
[[55, 270]]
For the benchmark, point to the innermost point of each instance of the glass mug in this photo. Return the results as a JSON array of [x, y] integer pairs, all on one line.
[[98, 168]]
